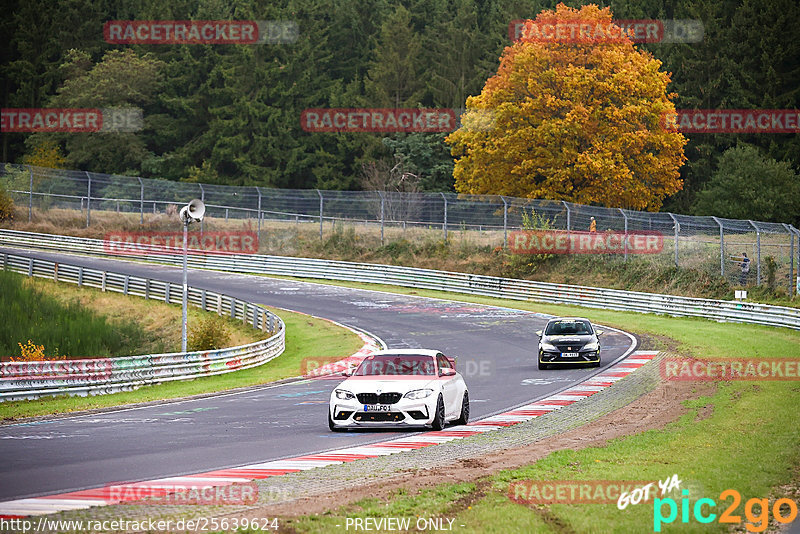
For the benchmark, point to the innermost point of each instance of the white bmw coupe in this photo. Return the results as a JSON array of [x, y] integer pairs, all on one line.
[[408, 387]]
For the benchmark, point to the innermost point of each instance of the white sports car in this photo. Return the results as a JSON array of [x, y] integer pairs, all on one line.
[[408, 387]]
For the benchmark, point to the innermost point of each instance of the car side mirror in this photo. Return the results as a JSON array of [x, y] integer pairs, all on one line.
[[447, 372], [598, 332], [347, 372], [539, 333]]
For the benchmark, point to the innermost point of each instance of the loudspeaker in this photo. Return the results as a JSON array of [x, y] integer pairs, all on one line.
[[194, 211]]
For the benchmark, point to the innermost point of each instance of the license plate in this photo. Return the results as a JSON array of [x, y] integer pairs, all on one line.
[[569, 354], [377, 408]]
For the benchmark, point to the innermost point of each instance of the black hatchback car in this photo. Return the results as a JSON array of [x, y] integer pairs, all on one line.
[[569, 340]]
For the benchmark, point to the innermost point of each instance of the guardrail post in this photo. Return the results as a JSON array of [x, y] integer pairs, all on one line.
[[505, 221], [233, 308], [382, 213], [255, 318], [141, 200], [444, 223], [147, 289], [5, 261], [758, 252], [626, 233], [258, 190], [321, 202], [88, 199], [30, 194], [80, 276], [126, 284], [677, 230], [30, 266], [721, 247], [55, 271], [271, 322], [166, 292], [203, 299], [219, 304], [105, 276]]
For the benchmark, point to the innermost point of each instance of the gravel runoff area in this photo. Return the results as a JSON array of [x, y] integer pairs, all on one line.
[[320, 481]]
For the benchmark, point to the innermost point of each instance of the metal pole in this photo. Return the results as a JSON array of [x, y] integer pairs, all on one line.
[[444, 223], [141, 200], [320, 212], [791, 258], [203, 198], [721, 247], [382, 214], [626, 232], [505, 221], [30, 194], [569, 212], [677, 229], [185, 286], [259, 213], [758, 252], [88, 200]]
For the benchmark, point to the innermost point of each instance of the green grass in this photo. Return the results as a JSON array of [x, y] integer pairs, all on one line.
[[305, 337], [750, 443], [63, 328]]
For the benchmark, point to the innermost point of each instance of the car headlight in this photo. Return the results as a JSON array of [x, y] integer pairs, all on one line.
[[592, 346], [549, 348], [344, 394], [418, 394]]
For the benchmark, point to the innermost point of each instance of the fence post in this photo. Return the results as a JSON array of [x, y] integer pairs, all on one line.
[[569, 213], [505, 221], [758, 252], [721, 247], [383, 202], [141, 200], [258, 190], [796, 231], [444, 223], [626, 232], [677, 230], [791, 258], [30, 194], [321, 202], [88, 200]]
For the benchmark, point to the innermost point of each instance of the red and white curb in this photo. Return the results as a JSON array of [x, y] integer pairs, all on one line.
[[115, 494]]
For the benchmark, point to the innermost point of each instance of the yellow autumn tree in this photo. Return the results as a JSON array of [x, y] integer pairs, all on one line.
[[575, 119]]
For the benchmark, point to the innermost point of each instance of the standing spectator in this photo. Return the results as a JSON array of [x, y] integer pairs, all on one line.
[[593, 225], [745, 269]]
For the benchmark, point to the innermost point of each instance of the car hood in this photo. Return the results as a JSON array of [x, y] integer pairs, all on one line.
[[387, 384], [566, 340]]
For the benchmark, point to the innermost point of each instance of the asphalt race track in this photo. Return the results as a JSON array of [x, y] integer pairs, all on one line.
[[495, 348]]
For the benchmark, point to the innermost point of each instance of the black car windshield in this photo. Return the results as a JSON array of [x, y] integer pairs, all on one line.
[[392, 364], [568, 328]]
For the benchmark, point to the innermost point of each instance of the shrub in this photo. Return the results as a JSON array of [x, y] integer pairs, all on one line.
[[209, 334]]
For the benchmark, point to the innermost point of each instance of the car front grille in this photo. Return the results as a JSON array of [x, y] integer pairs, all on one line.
[[378, 416], [566, 347], [374, 398]]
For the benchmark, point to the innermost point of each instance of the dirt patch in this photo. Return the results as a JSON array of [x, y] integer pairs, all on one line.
[[653, 410], [704, 413]]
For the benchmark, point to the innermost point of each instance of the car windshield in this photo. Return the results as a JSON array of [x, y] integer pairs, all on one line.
[[568, 328], [392, 364]]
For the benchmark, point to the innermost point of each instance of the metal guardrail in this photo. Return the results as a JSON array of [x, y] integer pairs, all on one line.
[[613, 299], [30, 380]]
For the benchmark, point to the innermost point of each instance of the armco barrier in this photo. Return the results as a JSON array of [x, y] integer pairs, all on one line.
[[29, 380], [718, 310]]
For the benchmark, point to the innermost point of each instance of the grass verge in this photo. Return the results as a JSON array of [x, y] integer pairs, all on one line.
[[745, 437], [305, 336]]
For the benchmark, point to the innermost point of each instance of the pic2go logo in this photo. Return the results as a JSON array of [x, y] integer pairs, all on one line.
[[783, 510]]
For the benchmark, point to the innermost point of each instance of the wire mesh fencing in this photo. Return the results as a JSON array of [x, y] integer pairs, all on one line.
[[744, 252]]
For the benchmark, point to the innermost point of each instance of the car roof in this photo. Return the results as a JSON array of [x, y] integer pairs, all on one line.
[[406, 352], [568, 319]]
